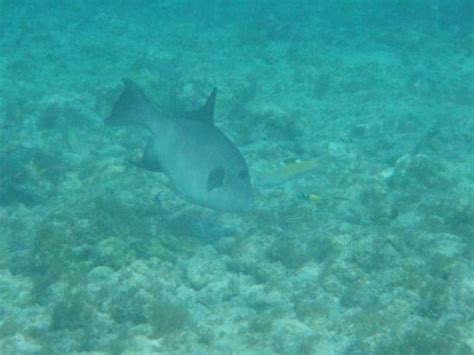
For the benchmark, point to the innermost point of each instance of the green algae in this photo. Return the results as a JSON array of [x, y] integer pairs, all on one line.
[[167, 316], [70, 313]]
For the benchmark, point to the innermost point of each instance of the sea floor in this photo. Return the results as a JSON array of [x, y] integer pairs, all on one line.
[[372, 252]]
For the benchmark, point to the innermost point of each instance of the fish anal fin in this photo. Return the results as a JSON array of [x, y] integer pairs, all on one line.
[[150, 159]]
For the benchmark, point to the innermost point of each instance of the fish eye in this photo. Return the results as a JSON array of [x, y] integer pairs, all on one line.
[[243, 174]]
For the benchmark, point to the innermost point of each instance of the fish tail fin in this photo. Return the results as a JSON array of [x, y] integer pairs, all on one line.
[[132, 107]]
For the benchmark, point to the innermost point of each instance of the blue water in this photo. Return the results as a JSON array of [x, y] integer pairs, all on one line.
[[371, 252]]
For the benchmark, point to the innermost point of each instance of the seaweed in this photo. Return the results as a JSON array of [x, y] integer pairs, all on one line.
[[167, 316]]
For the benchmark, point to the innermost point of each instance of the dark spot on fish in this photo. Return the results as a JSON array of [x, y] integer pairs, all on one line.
[[215, 178]]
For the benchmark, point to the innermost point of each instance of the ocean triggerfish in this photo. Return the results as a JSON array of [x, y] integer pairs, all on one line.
[[204, 166]]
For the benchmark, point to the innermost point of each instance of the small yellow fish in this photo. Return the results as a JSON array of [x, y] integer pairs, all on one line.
[[313, 197], [310, 196], [290, 170]]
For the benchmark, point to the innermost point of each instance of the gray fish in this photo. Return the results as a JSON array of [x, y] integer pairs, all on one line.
[[204, 166]]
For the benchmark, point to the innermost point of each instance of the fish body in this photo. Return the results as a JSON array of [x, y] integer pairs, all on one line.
[[204, 166], [289, 171]]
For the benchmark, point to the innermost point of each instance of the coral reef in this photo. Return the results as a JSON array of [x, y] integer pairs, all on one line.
[[381, 262]]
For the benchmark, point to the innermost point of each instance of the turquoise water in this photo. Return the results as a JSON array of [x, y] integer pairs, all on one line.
[[369, 252]]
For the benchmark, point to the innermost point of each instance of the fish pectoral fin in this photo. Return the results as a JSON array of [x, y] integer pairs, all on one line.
[[215, 178]]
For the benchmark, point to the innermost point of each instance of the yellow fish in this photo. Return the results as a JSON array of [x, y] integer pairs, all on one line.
[[290, 170]]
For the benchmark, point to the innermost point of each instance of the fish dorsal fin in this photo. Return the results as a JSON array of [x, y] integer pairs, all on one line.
[[206, 112]]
